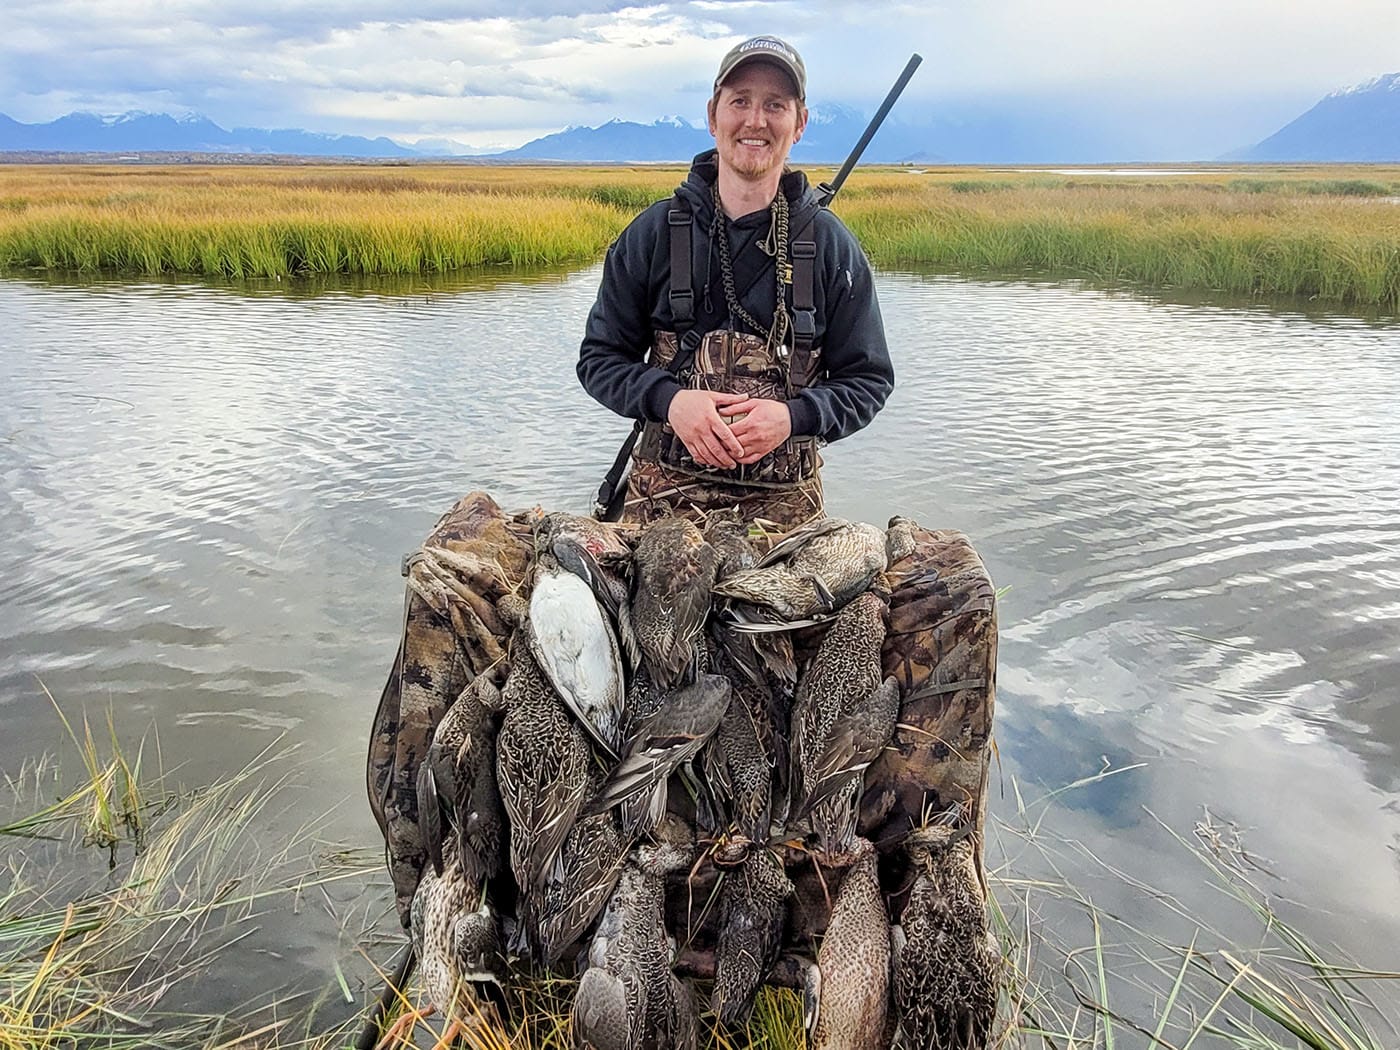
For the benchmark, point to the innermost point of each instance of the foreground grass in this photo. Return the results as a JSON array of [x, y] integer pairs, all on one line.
[[96, 958], [1331, 234], [1103, 979], [94, 967]]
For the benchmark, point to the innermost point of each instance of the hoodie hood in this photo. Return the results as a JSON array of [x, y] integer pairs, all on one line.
[[704, 170]]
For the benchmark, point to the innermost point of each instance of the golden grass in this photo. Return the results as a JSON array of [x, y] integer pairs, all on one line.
[[1330, 233], [274, 222], [1295, 234], [92, 967], [540, 1020]]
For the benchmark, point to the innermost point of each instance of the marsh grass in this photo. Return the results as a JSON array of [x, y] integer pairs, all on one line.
[[1123, 981], [92, 961], [1326, 233], [93, 965], [282, 222], [1286, 240]]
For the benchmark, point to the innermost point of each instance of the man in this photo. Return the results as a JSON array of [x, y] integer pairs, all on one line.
[[765, 338]]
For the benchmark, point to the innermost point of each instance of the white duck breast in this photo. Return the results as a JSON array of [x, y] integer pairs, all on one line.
[[577, 649]]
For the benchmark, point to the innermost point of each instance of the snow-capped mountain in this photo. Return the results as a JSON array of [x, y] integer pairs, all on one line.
[[191, 133], [1360, 123]]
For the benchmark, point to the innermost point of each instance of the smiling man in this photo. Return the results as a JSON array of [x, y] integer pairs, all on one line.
[[737, 321]]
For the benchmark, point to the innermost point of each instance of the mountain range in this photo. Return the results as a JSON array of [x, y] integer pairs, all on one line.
[[1358, 124], [140, 132], [1361, 123]]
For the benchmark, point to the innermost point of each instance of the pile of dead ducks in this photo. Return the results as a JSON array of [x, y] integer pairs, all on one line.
[[655, 716]]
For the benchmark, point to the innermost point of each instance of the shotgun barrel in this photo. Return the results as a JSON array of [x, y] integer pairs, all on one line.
[[826, 191]]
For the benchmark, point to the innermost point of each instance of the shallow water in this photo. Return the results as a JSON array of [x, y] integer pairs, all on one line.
[[1194, 509]]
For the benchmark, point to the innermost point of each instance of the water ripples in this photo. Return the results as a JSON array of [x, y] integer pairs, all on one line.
[[1201, 473], [1196, 509]]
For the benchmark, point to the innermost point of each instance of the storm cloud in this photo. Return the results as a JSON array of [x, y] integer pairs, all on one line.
[[1211, 73]]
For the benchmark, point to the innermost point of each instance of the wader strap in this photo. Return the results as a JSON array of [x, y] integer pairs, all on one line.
[[680, 226], [608, 505], [682, 294], [804, 309], [612, 487]]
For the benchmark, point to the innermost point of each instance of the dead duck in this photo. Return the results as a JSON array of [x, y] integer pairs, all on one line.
[[629, 998], [809, 574], [458, 777], [947, 962], [574, 644], [847, 992], [673, 570], [752, 910], [673, 735], [456, 939], [599, 555], [582, 879], [542, 763], [842, 716], [739, 762]]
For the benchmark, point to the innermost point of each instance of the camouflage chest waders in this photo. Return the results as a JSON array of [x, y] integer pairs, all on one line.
[[783, 487]]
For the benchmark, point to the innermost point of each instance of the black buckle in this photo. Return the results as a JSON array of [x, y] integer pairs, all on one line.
[[682, 305], [804, 249], [804, 323], [677, 217]]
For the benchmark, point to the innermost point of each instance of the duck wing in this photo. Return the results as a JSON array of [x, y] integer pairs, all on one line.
[[798, 538], [673, 735], [601, 1016], [584, 876], [430, 812], [853, 743]]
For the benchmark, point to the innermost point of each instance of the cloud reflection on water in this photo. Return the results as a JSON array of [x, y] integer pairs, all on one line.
[[1196, 509]]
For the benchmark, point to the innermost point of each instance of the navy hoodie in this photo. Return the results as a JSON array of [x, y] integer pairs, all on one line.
[[855, 375]]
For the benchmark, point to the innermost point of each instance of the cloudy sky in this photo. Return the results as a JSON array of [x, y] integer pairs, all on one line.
[[1202, 76]]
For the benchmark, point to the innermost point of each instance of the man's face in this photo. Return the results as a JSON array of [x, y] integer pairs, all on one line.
[[755, 120]]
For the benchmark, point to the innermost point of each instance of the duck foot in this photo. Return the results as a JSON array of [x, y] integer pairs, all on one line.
[[449, 1033], [400, 1032]]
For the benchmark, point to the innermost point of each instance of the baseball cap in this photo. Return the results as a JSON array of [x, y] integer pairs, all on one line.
[[768, 49]]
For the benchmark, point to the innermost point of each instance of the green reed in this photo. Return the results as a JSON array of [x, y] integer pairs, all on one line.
[[90, 965], [1327, 233], [1158, 244]]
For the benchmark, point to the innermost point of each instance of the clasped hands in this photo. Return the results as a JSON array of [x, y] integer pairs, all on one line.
[[699, 419]]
